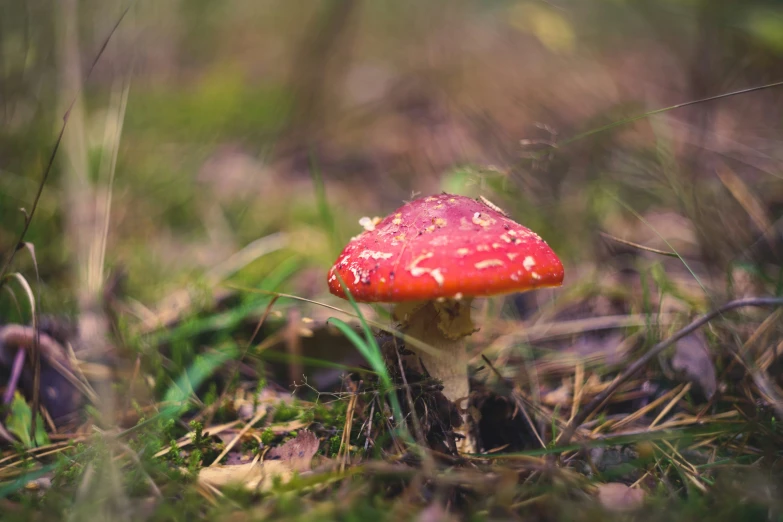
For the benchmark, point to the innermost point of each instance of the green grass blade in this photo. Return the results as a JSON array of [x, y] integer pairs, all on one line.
[[201, 368], [323, 207]]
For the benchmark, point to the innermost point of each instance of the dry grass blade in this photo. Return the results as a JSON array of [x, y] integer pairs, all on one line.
[[579, 376], [345, 441], [638, 414], [638, 246], [258, 416], [671, 405], [553, 330], [640, 363], [745, 197], [761, 334]]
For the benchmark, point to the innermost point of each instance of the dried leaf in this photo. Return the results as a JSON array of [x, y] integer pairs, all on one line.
[[279, 466], [559, 396], [297, 453], [692, 358], [251, 476], [615, 496]]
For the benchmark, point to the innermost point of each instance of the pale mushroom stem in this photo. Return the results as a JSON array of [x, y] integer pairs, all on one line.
[[443, 326]]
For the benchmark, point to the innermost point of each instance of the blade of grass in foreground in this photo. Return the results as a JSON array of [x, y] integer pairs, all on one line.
[[201, 368], [620, 439], [371, 351], [323, 207], [638, 216], [229, 319]]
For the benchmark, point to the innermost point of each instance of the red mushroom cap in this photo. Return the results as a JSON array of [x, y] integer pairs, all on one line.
[[444, 246]]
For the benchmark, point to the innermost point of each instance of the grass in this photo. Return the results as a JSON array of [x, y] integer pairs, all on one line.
[[684, 463]]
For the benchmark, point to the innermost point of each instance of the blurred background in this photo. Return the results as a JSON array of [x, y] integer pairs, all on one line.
[[205, 125], [241, 141]]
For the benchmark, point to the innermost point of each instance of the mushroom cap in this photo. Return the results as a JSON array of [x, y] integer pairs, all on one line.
[[443, 246]]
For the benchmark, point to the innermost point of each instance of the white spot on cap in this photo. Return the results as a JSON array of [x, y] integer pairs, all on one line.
[[369, 223], [529, 263], [481, 265], [535, 275], [371, 254], [463, 252], [481, 220], [511, 256], [417, 271]]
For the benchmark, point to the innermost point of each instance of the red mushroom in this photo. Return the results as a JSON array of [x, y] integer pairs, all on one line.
[[432, 256]]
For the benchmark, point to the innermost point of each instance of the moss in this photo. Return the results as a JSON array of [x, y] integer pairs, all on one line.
[[285, 412], [267, 436]]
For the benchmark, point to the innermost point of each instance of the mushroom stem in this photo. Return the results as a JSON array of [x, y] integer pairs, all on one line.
[[443, 326]]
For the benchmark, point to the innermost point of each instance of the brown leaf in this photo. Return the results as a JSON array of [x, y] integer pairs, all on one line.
[[692, 358], [242, 474], [297, 453], [619, 497], [251, 476]]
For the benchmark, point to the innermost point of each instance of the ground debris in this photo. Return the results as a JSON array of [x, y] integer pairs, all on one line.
[[615, 496]]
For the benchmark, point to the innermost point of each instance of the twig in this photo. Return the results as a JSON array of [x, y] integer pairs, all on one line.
[[640, 363], [369, 427], [24, 336]]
